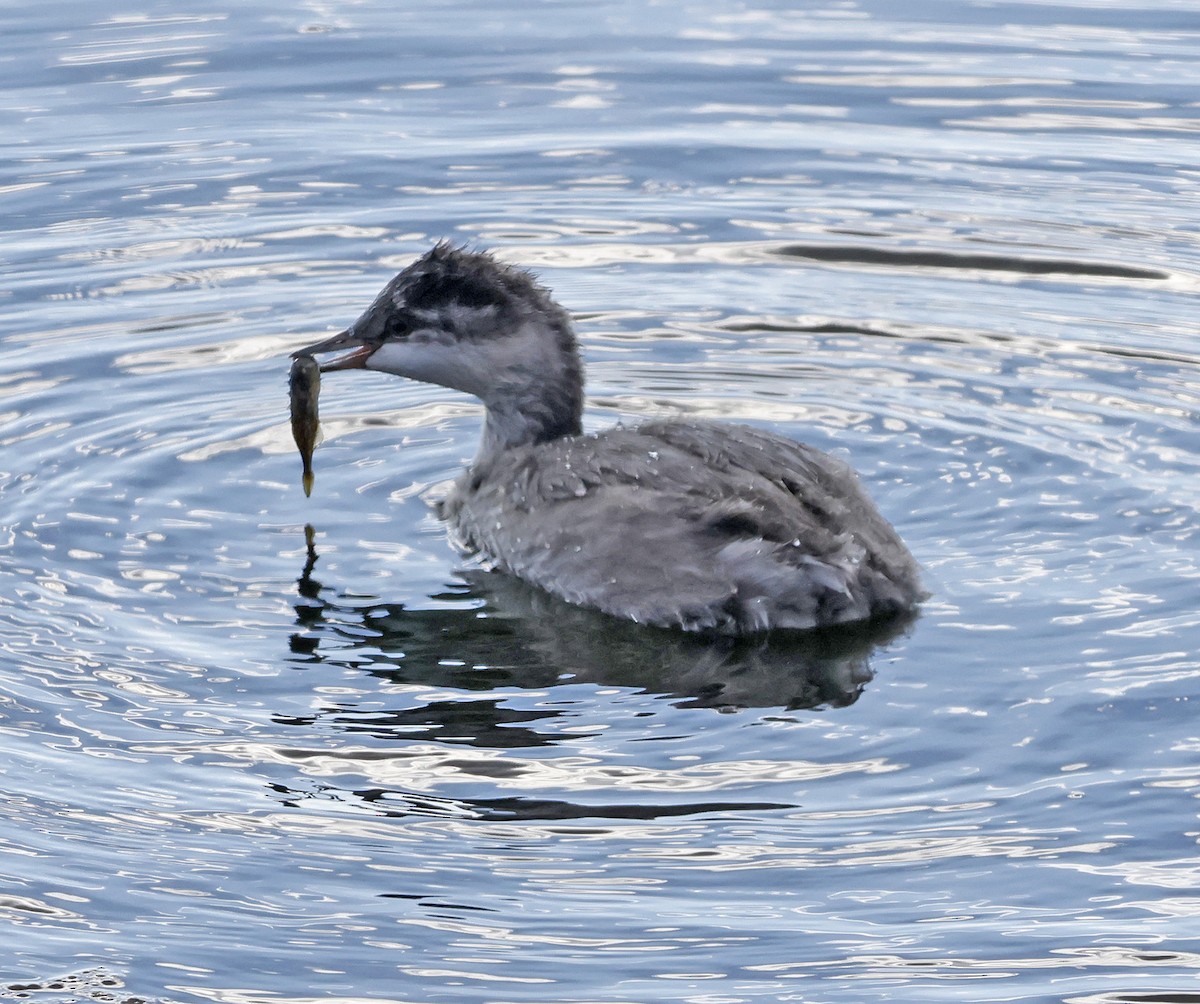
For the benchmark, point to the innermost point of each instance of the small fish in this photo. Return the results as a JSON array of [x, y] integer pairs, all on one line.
[[304, 385]]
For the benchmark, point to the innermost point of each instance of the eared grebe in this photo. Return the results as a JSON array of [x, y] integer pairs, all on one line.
[[684, 524]]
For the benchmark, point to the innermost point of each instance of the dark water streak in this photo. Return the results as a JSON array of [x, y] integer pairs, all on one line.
[[955, 243], [918, 258]]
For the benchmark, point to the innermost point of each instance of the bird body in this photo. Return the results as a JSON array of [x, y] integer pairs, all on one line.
[[680, 524]]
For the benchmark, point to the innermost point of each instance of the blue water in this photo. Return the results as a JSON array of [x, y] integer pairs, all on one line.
[[958, 244]]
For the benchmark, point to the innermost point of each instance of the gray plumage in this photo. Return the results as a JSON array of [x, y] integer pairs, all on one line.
[[694, 525]]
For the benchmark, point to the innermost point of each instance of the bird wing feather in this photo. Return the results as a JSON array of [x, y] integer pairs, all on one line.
[[767, 531]]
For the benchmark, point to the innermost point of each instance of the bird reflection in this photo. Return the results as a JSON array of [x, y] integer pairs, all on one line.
[[490, 631]]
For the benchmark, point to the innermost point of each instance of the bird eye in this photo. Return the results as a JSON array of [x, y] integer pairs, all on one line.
[[399, 324]]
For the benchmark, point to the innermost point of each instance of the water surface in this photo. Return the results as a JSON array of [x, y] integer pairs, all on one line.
[[956, 245]]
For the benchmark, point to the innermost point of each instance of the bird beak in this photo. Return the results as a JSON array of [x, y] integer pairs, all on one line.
[[347, 339]]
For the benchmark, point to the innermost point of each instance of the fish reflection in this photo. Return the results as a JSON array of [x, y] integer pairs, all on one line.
[[491, 631]]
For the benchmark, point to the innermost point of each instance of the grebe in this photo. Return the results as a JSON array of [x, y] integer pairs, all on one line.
[[678, 524]]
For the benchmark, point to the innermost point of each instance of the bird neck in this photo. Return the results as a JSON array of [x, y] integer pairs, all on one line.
[[536, 414], [533, 387]]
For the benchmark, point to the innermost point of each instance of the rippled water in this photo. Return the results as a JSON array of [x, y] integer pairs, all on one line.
[[957, 243]]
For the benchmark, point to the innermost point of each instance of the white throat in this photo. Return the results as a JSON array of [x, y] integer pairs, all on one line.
[[531, 389]]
